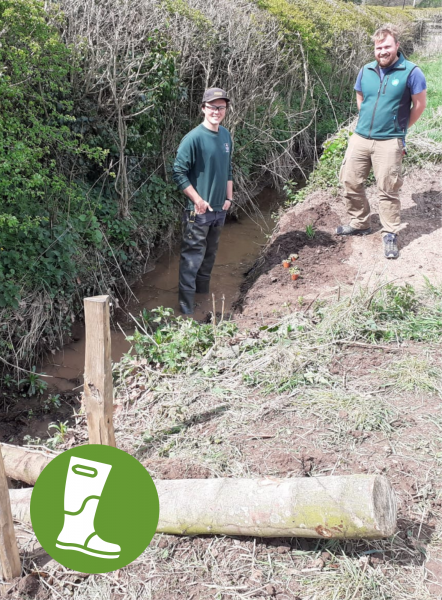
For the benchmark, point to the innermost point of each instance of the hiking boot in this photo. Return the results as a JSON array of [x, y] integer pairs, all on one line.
[[348, 230], [390, 246]]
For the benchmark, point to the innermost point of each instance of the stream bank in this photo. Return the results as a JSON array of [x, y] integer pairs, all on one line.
[[241, 244], [329, 264], [317, 395], [28, 418]]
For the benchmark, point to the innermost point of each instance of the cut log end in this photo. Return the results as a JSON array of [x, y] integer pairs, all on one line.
[[385, 506]]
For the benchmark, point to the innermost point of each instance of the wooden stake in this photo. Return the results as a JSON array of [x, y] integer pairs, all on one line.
[[98, 387], [9, 558]]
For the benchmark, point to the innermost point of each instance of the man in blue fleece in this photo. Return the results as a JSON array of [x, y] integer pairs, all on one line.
[[391, 96]]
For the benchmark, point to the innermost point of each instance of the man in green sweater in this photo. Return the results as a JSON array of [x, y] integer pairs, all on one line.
[[203, 171], [391, 96]]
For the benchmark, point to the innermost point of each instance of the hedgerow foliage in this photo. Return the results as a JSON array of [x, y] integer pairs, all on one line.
[[60, 235], [38, 156], [34, 138]]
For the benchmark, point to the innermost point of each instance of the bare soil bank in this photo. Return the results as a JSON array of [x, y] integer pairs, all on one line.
[[329, 263]]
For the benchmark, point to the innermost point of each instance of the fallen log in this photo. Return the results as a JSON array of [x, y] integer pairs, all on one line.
[[350, 507], [24, 464], [21, 504]]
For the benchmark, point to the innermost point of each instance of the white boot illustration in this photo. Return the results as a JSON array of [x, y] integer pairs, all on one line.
[[84, 485]]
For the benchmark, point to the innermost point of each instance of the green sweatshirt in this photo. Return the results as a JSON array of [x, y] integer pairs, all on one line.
[[204, 160]]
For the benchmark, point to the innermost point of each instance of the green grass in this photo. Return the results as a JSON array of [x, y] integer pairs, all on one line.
[[430, 4], [430, 122]]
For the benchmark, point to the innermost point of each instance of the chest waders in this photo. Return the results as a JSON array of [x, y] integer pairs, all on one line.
[[199, 245]]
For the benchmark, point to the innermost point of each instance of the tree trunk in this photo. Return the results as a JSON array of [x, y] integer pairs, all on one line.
[[121, 180], [353, 506]]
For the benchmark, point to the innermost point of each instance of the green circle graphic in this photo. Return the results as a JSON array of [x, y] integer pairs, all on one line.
[[94, 509]]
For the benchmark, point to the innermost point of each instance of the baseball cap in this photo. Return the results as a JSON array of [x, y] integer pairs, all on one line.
[[215, 94]]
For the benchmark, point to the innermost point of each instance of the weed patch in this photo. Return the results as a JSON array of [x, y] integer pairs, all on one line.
[[389, 313], [174, 343]]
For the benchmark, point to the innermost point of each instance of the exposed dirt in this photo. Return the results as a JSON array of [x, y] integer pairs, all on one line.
[[22, 416], [329, 262], [174, 468]]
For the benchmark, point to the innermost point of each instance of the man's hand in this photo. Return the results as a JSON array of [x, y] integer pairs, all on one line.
[[227, 204], [201, 206]]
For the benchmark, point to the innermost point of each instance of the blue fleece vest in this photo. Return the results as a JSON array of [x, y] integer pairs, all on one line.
[[385, 110]]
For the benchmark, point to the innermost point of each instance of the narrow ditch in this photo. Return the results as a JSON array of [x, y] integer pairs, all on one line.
[[241, 243]]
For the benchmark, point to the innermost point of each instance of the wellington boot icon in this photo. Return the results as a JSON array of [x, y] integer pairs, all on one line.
[[84, 485]]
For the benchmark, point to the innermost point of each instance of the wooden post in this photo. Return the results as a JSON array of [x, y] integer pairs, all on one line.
[[98, 387], [9, 558]]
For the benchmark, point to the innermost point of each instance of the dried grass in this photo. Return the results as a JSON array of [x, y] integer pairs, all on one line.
[[231, 421]]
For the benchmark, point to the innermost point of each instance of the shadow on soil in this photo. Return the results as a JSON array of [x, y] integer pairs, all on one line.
[[406, 548], [293, 242], [423, 219]]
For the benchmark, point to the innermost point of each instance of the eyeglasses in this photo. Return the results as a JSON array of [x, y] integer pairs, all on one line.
[[215, 109]]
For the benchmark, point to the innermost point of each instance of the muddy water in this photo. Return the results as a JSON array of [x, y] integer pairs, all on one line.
[[240, 245]]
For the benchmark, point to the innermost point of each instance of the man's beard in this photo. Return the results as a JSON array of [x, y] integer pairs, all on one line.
[[385, 62]]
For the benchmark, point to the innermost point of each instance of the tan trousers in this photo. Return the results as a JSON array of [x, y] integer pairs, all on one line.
[[386, 158]]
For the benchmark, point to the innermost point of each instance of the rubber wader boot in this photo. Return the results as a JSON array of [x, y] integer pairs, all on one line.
[[203, 276], [186, 302], [84, 484], [193, 249]]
